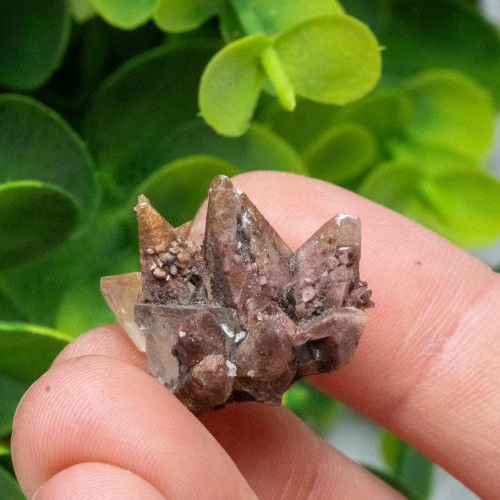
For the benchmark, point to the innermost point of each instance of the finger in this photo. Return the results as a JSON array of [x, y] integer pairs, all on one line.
[[108, 340], [99, 409], [97, 480], [281, 458], [426, 367], [262, 440]]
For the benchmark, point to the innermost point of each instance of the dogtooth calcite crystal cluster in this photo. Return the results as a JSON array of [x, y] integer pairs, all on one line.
[[242, 317]]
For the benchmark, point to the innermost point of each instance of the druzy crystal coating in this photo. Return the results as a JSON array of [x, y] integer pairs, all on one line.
[[242, 317]]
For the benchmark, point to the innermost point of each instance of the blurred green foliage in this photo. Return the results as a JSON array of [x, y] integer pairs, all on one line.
[[313, 406], [101, 100]]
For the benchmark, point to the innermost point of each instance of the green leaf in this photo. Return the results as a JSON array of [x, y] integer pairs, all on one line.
[[9, 486], [395, 185], [82, 308], [342, 153], [392, 480], [258, 149], [466, 206], [385, 113], [275, 16], [176, 16], [33, 38], [124, 14], [12, 391], [48, 179], [107, 247], [134, 109], [412, 469], [178, 189], [4, 450], [453, 111], [231, 85], [313, 406], [27, 351], [34, 218], [304, 125], [330, 59], [461, 205], [391, 447], [8, 311], [428, 34], [37, 144], [81, 10], [430, 155]]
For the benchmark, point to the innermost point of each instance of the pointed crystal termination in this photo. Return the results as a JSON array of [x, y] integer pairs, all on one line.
[[247, 261], [242, 317], [171, 264]]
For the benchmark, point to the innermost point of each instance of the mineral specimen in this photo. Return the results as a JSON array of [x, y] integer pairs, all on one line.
[[242, 317]]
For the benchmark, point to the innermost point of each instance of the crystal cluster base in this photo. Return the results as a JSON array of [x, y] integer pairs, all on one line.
[[242, 317]]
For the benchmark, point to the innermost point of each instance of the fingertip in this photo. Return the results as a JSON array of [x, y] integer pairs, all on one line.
[[93, 480], [96, 480], [108, 340], [99, 409]]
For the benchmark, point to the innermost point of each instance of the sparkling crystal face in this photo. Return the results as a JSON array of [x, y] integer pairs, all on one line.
[[242, 317]]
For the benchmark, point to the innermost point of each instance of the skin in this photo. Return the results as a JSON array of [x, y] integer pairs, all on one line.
[[426, 369]]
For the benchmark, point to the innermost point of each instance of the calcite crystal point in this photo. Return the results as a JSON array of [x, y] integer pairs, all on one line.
[[242, 317]]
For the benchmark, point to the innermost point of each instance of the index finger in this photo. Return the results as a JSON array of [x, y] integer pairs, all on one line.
[[426, 367]]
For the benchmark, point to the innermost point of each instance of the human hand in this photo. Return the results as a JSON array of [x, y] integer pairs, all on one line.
[[96, 425]]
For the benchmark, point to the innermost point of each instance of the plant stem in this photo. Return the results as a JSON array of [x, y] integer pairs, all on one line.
[[276, 73], [271, 63]]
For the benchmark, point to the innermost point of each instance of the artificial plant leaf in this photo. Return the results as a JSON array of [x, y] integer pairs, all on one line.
[[452, 110], [8, 311], [424, 34], [82, 308], [342, 153], [385, 113], [9, 486], [304, 125], [330, 59], [33, 38], [176, 16], [461, 205], [12, 391], [124, 14], [37, 144], [138, 105], [27, 351], [259, 149], [273, 16], [395, 185], [466, 205], [430, 155], [231, 84], [81, 10], [105, 248], [313, 406], [34, 218], [392, 480], [178, 189], [411, 468]]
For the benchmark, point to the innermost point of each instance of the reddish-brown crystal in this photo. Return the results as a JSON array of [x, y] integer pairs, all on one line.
[[242, 317]]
